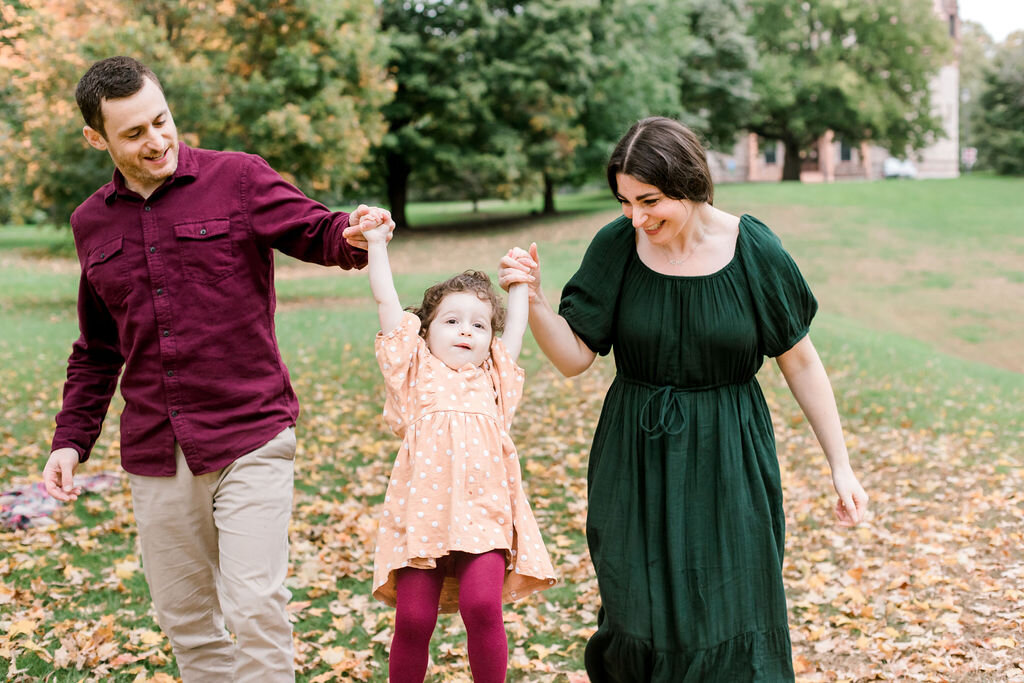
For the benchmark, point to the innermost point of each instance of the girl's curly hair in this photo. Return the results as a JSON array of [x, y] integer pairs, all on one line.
[[473, 281]]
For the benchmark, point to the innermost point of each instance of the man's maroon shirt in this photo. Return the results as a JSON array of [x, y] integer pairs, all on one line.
[[178, 289]]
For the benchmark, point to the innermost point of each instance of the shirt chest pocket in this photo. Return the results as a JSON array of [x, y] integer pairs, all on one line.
[[206, 249], [107, 271]]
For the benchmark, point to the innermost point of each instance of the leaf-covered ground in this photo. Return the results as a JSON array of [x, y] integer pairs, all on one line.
[[930, 588]]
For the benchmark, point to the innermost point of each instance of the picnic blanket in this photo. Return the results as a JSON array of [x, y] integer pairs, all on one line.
[[31, 506]]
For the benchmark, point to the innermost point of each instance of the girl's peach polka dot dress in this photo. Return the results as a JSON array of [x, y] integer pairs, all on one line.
[[456, 483]]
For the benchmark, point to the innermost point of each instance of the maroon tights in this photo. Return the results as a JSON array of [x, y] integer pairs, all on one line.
[[417, 593]]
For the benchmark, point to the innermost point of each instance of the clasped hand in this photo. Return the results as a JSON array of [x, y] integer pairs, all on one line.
[[521, 266], [367, 224]]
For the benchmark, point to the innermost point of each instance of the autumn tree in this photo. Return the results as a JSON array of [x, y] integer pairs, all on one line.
[[44, 159], [1000, 134], [299, 82], [860, 69]]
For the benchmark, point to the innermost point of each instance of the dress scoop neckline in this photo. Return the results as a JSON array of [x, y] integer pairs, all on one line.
[[723, 269]]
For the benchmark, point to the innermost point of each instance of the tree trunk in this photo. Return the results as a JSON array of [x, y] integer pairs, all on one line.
[[791, 164], [398, 170], [549, 196]]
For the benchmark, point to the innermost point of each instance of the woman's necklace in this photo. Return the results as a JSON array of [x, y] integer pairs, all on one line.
[[681, 261]]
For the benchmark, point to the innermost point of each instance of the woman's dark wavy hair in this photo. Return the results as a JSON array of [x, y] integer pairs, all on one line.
[[663, 152], [110, 79], [470, 281]]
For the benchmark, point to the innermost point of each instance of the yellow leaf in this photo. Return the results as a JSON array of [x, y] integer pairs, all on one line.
[[333, 656], [151, 638], [125, 569], [26, 626]]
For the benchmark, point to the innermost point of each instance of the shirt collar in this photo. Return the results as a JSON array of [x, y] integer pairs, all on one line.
[[188, 169]]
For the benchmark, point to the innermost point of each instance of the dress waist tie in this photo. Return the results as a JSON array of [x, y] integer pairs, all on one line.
[[663, 411]]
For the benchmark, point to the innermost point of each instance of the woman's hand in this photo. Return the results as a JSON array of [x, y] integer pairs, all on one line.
[[852, 505], [521, 266]]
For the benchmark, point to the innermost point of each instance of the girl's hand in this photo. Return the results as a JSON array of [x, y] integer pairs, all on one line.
[[369, 224], [519, 266], [852, 505]]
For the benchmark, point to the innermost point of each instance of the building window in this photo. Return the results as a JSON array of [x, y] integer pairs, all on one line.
[[769, 153], [845, 152], [952, 25]]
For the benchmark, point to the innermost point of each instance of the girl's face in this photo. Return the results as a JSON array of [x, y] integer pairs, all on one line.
[[659, 218], [461, 332]]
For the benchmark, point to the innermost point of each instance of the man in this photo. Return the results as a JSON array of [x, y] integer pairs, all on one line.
[[177, 287]]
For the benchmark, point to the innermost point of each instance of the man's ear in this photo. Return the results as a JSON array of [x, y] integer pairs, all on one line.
[[95, 138]]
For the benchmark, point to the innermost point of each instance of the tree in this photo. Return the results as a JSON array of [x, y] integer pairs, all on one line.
[[440, 102], [1000, 132], [44, 160], [541, 64], [488, 99], [302, 83], [860, 69], [698, 73], [976, 49], [299, 82]]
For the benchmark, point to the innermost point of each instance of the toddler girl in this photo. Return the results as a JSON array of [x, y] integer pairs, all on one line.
[[456, 530]]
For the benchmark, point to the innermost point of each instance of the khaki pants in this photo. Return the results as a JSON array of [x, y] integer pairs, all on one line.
[[215, 554]]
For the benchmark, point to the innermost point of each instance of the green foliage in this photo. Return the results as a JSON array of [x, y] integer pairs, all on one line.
[[976, 47], [489, 96], [300, 83], [1000, 134], [683, 59], [861, 69]]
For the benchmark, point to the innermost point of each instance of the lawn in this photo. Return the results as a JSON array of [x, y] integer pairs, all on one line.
[[922, 312]]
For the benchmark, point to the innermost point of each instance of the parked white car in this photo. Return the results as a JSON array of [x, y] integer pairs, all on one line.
[[899, 168]]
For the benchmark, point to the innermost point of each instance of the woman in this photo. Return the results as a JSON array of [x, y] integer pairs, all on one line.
[[685, 523]]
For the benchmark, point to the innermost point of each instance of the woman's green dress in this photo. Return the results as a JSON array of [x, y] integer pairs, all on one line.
[[685, 522]]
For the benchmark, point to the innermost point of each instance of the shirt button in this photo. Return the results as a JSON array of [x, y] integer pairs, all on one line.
[[174, 413], [167, 333], [160, 290], [170, 373], [147, 208], [102, 256], [152, 250], [203, 231]]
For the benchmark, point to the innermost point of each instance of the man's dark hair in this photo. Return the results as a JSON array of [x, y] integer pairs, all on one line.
[[110, 79]]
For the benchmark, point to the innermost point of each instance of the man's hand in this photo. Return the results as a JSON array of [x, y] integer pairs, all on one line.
[[368, 218], [58, 474]]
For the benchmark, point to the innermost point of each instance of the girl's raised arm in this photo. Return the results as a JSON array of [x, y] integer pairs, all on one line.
[[389, 307], [516, 318]]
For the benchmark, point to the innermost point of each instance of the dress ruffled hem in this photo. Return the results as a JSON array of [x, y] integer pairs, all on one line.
[[517, 585], [755, 656]]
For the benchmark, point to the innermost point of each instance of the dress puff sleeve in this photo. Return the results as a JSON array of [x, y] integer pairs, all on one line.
[[508, 380], [400, 353], [782, 298], [590, 298]]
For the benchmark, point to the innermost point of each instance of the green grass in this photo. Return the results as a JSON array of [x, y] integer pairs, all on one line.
[[424, 215], [919, 329]]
